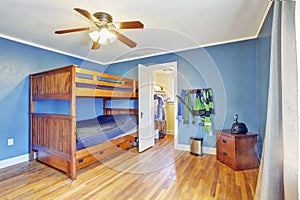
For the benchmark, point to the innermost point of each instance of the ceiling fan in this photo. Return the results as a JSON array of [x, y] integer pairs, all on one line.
[[104, 31]]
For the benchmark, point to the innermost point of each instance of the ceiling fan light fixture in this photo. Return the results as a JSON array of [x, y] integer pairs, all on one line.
[[104, 36], [168, 71], [106, 30]]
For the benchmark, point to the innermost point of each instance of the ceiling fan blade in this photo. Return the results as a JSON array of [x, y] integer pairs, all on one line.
[[129, 25], [96, 45], [125, 39], [72, 30], [87, 14]]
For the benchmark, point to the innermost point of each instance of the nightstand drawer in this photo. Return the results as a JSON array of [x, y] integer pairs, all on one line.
[[225, 142], [225, 156]]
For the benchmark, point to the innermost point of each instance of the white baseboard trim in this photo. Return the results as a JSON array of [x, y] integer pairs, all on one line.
[[209, 150], [14, 160], [186, 147], [182, 147]]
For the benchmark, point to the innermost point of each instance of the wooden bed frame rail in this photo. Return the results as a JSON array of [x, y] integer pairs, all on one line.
[[124, 87], [47, 128], [53, 84], [57, 84], [115, 111], [53, 138]]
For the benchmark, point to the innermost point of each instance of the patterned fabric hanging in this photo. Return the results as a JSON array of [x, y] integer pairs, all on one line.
[[202, 107]]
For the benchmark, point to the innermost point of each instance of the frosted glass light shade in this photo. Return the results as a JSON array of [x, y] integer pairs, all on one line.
[[106, 37]]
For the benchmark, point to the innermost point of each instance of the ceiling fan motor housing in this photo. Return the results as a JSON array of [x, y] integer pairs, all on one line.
[[102, 16]]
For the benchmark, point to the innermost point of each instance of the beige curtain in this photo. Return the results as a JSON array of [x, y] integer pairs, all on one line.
[[278, 176]]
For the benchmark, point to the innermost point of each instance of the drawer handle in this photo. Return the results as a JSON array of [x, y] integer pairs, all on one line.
[[224, 153], [224, 141]]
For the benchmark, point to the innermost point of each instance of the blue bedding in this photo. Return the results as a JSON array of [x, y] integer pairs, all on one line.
[[103, 128]]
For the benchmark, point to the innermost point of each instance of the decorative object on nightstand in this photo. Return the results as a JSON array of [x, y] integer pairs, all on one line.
[[238, 127], [238, 151]]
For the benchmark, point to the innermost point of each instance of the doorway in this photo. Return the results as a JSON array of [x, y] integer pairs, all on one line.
[[163, 82]]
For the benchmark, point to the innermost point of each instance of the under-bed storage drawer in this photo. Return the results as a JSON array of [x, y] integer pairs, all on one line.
[[54, 161], [96, 153]]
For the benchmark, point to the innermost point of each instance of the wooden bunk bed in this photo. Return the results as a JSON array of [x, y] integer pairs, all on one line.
[[53, 136]]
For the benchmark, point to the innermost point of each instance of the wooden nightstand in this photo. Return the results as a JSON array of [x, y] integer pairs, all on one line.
[[238, 151]]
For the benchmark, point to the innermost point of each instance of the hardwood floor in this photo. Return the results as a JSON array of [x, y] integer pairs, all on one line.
[[159, 173]]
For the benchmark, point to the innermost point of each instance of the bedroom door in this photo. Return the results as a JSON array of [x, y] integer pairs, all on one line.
[[146, 111]]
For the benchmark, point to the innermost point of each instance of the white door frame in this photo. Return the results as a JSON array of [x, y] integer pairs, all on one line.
[[174, 66], [146, 113]]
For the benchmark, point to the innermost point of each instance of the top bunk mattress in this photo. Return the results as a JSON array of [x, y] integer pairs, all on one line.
[[103, 128]]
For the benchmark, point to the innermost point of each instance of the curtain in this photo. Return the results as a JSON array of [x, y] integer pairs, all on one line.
[[278, 175]]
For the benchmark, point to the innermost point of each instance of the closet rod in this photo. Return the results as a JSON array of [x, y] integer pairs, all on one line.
[[194, 91]]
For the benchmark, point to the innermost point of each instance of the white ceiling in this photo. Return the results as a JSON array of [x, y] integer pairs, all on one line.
[[170, 25]]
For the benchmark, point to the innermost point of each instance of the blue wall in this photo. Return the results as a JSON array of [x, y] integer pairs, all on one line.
[[263, 68], [17, 61], [237, 65], [230, 70]]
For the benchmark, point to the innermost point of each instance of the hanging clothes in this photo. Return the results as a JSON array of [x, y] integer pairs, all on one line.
[[209, 100], [181, 105], [207, 120], [184, 107], [160, 111], [197, 103], [208, 110], [186, 111], [199, 108], [187, 108], [155, 108]]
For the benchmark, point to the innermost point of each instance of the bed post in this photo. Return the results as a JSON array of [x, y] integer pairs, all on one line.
[[30, 115], [134, 87], [73, 123], [104, 106]]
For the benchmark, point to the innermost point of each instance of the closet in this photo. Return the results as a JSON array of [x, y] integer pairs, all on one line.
[[159, 112], [163, 103]]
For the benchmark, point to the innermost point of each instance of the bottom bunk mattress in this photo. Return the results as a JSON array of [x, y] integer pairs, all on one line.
[[104, 128]]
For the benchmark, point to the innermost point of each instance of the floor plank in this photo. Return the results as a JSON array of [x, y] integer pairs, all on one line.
[[158, 173]]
